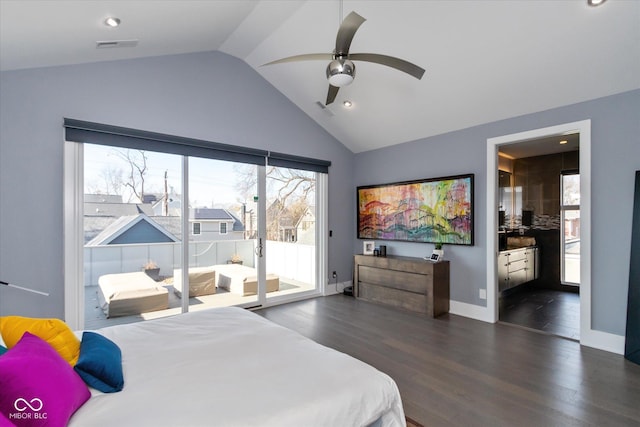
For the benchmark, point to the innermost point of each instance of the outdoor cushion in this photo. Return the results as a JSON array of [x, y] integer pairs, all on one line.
[[124, 294]]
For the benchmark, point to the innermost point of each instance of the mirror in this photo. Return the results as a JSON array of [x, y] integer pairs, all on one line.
[[505, 198]]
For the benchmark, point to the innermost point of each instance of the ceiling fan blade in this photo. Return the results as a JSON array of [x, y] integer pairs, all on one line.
[[305, 57], [346, 32], [389, 61], [331, 95]]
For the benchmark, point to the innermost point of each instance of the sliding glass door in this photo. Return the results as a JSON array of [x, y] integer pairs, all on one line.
[[148, 214], [131, 234], [167, 233], [291, 218], [222, 227]]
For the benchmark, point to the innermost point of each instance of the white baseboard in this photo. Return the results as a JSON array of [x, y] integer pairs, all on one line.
[[595, 339], [603, 341], [469, 310], [335, 288]]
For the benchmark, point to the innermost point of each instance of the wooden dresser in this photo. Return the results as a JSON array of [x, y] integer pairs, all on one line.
[[411, 283]]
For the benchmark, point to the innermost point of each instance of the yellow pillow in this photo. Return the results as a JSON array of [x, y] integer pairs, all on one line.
[[53, 331]]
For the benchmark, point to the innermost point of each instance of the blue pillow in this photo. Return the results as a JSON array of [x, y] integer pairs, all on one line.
[[100, 363], [3, 350]]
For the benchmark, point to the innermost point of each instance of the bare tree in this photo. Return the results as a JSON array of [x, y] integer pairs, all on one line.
[[290, 184], [137, 161], [113, 181], [109, 181], [288, 192], [285, 184]]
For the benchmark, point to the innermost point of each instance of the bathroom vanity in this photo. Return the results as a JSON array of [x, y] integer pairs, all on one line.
[[517, 266]]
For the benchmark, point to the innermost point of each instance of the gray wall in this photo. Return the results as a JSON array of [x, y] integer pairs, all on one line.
[[615, 154], [211, 96], [217, 97]]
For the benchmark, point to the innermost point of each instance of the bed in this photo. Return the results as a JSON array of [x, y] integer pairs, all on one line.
[[231, 367]]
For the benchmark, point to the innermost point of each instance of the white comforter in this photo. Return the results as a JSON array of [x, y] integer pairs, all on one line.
[[231, 367]]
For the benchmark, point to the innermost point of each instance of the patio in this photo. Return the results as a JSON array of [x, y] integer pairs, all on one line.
[[293, 263], [95, 317]]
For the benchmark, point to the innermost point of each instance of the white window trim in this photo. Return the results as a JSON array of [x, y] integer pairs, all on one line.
[[73, 232]]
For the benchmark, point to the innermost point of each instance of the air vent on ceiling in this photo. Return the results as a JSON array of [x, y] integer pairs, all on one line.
[[116, 43]]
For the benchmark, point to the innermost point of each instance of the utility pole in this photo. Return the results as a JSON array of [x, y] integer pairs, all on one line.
[[165, 203]]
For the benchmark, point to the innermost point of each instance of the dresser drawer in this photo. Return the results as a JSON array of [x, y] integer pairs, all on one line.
[[402, 280], [406, 282], [395, 297]]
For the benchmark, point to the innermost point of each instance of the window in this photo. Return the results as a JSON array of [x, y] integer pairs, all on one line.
[[570, 228], [183, 181]]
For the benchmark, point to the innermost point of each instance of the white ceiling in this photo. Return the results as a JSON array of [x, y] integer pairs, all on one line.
[[485, 60]]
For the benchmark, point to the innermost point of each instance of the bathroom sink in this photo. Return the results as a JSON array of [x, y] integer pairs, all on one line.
[[520, 242]]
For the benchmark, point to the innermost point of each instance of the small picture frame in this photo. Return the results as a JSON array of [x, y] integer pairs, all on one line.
[[368, 246], [434, 257]]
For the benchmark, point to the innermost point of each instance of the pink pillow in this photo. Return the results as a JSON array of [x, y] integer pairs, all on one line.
[[4, 422], [37, 386]]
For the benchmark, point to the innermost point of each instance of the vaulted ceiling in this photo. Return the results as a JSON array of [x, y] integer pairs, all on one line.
[[485, 60]]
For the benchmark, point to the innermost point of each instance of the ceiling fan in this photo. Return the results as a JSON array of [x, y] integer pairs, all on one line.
[[341, 70]]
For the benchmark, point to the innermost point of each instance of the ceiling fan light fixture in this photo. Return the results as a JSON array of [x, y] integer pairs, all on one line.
[[341, 72]]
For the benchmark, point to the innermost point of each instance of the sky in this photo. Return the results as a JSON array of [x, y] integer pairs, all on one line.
[[212, 182]]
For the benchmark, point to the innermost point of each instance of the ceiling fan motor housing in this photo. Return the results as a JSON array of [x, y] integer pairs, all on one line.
[[341, 72]]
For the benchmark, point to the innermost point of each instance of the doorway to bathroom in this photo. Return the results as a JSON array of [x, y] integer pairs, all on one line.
[[540, 207]]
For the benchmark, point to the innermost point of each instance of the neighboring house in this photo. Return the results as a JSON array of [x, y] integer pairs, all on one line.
[[286, 229], [133, 229], [102, 198], [281, 225], [214, 224], [100, 211], [285, 225], [172, 207], [109, 221], [306, 227]]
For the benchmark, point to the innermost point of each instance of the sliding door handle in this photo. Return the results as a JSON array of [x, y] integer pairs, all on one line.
[[259, 249]]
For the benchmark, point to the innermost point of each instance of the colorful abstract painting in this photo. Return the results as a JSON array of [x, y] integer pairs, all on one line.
[[438, 210]]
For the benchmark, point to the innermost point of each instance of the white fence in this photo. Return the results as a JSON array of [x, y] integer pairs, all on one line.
[[288, 260]]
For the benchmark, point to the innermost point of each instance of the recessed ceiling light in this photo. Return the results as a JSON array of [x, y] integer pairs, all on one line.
[[564, 141], [595, 3], [112, 22], [347, 104]]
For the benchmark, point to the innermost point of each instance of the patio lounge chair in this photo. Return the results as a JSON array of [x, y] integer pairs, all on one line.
[[202, 281], [243, 280], [124, 294]]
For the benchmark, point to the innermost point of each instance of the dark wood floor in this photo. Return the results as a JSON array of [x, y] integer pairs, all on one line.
[[454, 371], [549, 311]]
